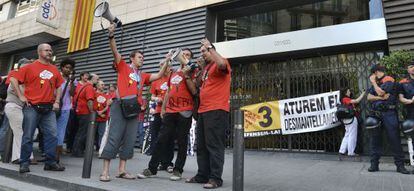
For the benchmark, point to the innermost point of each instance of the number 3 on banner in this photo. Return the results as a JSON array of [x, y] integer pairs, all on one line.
[[267, 120]]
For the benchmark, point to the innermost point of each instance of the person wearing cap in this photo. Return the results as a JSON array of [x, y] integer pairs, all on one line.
[[384, 107], [406, 94]]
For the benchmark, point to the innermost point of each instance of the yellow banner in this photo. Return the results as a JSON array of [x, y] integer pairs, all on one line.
[[262, 117], [80, 32]]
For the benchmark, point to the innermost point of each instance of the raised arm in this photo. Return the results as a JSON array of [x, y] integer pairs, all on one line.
[[357, 100], [112, 43], [160, 73], [216, 57]]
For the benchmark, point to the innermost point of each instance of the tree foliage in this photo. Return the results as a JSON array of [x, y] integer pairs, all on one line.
[[396, 63]]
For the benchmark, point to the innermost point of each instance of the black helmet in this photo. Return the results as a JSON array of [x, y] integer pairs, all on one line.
[[372, 122], [407, 126]]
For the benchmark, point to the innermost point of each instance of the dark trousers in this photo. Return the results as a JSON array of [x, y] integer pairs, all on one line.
[[211, 128], [174, 124], [71, 130], [168, 155], [80, 138], [390, 125]]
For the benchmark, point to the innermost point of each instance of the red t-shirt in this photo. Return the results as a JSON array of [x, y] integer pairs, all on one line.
[[128, 78], [111, 95], [179, 96], [40, 81], [99, 104], [158, 89], [84, 94], [215, 88]]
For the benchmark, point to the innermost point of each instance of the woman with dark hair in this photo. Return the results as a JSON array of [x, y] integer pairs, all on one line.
[[348, 144]]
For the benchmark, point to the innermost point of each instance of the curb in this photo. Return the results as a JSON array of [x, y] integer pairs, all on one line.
[[45, 181]]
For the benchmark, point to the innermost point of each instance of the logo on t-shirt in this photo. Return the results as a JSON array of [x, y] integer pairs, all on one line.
[[133, 77], [101, 99], [176, 80], [46, 75], [164, 86]]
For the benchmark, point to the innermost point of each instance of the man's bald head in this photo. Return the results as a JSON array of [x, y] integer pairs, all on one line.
[[45, 52]]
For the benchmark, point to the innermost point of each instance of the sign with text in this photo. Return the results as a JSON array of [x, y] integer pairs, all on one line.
[[48, 13], [291, 116]]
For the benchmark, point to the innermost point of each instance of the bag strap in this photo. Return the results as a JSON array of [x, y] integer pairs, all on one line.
[[77, 98], [63, 94]]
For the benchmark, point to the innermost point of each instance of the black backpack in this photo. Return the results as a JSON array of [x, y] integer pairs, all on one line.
[[344, 112]]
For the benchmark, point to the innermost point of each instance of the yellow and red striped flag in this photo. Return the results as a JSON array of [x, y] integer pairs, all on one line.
[[80, 33]]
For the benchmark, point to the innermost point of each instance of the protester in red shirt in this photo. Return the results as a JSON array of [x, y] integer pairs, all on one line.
[[176, 113], [158, 90], [123, 121], [349, 140], [83, 106], [101, 106], [213, 119], [41, 96]]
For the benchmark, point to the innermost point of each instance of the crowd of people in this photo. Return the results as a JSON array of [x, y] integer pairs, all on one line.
[[41, 98]]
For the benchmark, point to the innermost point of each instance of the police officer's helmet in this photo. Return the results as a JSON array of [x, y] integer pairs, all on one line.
[[372, 122], [408, 126]]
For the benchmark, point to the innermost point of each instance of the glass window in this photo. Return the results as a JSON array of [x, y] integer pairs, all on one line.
[[265, 19]]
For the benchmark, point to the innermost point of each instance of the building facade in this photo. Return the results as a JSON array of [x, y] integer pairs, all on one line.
[[278, 49]]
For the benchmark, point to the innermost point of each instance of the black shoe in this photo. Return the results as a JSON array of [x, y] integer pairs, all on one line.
[[24, 169], [402, 170], [373, 168], [53, 167], [17, 161]]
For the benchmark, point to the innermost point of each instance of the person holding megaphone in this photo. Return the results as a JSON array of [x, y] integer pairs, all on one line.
[[125, 108]]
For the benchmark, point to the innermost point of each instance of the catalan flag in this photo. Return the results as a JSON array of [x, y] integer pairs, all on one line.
[[80, 33]]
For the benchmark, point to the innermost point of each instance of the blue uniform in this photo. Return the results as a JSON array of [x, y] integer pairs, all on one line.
[[385, 109], [407, 89]]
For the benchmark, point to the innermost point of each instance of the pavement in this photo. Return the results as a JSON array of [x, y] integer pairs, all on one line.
[[264, 171]]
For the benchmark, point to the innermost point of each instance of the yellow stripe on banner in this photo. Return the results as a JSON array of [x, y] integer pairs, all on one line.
[[72, 29], [81, 25], [82, 21], [90, 20], [75, 26]]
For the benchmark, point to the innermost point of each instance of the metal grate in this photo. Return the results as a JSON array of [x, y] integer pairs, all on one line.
[[268, 81]]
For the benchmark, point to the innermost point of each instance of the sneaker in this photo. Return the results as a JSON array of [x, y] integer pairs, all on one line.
[[402, 170], [24, 169], [176, 176], [170, 169], [373, 168], [53, 167], [145, 174]]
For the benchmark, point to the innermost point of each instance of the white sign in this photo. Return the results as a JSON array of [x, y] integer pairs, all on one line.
[[48, 13], [309, 113], [335, 35]]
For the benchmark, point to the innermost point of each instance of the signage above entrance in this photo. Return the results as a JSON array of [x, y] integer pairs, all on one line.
[[336, 35]]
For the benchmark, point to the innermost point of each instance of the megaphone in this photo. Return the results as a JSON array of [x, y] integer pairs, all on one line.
[[102, 10], [177, 55]]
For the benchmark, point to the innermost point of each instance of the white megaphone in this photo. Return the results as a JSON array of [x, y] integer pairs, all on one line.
[[102, 10]]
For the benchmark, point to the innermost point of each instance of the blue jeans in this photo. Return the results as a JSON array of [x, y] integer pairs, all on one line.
[[47, 123], [62, 122], [3, 131], [141, 134]]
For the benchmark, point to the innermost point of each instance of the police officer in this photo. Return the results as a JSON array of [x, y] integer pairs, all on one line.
[[407, 92], [384, 107]]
